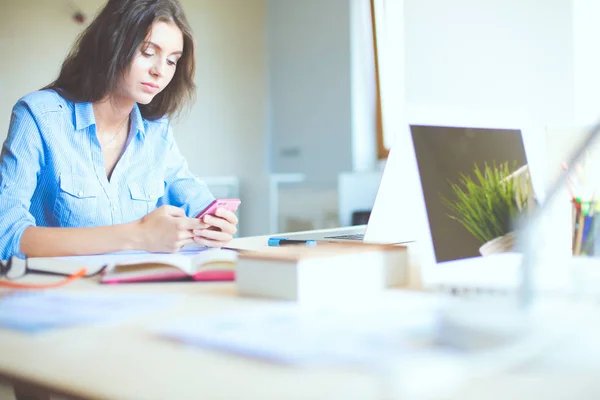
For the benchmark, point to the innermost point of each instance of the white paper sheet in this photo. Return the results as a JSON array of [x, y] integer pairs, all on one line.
[[41, 311], [290, 334]]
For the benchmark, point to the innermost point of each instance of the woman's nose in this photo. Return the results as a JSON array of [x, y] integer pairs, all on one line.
[[156, 69]]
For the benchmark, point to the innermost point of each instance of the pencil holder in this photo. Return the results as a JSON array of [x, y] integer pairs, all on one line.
[[584, 228]]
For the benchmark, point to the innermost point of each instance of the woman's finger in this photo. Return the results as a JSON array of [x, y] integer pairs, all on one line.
[[213, 235], [185, 234], [222, 224], [227, 215], [190, 223]]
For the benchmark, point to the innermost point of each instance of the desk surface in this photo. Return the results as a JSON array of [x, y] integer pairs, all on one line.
[[127, 362]]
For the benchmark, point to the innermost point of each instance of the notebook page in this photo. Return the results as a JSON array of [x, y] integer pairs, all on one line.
[[213, 259], [151, 263], [126, 257]]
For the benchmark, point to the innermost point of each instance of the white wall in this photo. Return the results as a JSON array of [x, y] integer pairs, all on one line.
[[35, 36], [363, 84], [224, 133], [586, 60], [310, 87], [502, 55]]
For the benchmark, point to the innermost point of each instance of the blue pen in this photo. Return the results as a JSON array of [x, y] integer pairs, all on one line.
[[587, 222], [277, 241], [587, 225]]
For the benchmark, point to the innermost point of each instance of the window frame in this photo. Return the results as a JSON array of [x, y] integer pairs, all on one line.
[[382, 151]]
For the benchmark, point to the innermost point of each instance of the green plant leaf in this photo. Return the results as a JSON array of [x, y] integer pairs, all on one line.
[[487, 204]]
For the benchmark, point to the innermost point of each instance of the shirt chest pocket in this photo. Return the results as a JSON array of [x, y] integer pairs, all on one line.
[[76, 202], [145, 195]]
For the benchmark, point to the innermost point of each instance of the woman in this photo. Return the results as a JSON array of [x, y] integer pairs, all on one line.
[[90, 164]]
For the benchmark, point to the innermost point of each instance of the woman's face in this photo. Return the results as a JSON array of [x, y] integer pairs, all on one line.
[[154, 64]]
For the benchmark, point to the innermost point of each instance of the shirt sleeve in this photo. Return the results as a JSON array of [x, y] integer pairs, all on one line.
[[183, 188], [20, 165]]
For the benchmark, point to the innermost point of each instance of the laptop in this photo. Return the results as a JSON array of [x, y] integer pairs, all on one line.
[[390, 221], [407, 207], [378, 229]]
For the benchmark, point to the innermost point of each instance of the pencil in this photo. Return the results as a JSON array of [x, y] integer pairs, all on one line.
[[576, 211]]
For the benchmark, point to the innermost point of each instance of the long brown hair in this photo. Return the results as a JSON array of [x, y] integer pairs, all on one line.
[[104, 51]]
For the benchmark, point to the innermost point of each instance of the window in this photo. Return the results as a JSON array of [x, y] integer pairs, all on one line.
[[387, 25]]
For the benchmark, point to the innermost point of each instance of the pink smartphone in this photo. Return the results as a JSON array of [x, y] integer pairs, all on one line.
[[228, 204]]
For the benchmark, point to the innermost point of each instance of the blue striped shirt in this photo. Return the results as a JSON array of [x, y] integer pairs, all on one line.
[[52, 171]]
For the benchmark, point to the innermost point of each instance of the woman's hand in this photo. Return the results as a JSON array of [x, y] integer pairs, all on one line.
[[168, 229], [219, 229]]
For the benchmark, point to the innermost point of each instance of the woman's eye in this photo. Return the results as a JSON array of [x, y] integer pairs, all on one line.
[[147, 53], [171, 62]]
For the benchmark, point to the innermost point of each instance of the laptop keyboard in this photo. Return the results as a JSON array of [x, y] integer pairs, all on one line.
[[356, 236]]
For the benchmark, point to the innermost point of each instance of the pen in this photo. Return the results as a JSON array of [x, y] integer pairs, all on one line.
[[276, 241]]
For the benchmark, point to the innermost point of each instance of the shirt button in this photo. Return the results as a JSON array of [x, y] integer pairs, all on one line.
[[115, 208], [80, 193]]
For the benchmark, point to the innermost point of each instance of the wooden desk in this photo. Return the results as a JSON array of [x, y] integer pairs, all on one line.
[[128, 362]]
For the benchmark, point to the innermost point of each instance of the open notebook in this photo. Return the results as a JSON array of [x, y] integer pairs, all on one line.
[[207, 265]]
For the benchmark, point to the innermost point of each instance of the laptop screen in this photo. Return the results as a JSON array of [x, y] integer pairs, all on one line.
[[443, 154]]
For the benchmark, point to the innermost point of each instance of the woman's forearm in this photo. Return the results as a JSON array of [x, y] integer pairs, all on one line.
[[53, 242]]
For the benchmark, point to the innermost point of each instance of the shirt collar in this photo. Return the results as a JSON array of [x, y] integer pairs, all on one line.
[[84, 117], [137, 122]]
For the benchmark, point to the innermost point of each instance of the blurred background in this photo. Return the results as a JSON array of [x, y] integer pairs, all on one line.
[[295, 116]]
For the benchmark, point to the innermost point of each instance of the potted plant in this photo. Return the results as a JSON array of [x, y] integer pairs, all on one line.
[[488, 205]]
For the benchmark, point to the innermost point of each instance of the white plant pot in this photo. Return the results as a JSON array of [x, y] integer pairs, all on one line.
[[500, 244]]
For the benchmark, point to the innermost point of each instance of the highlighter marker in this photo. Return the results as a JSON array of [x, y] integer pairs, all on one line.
[[276, 241]]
